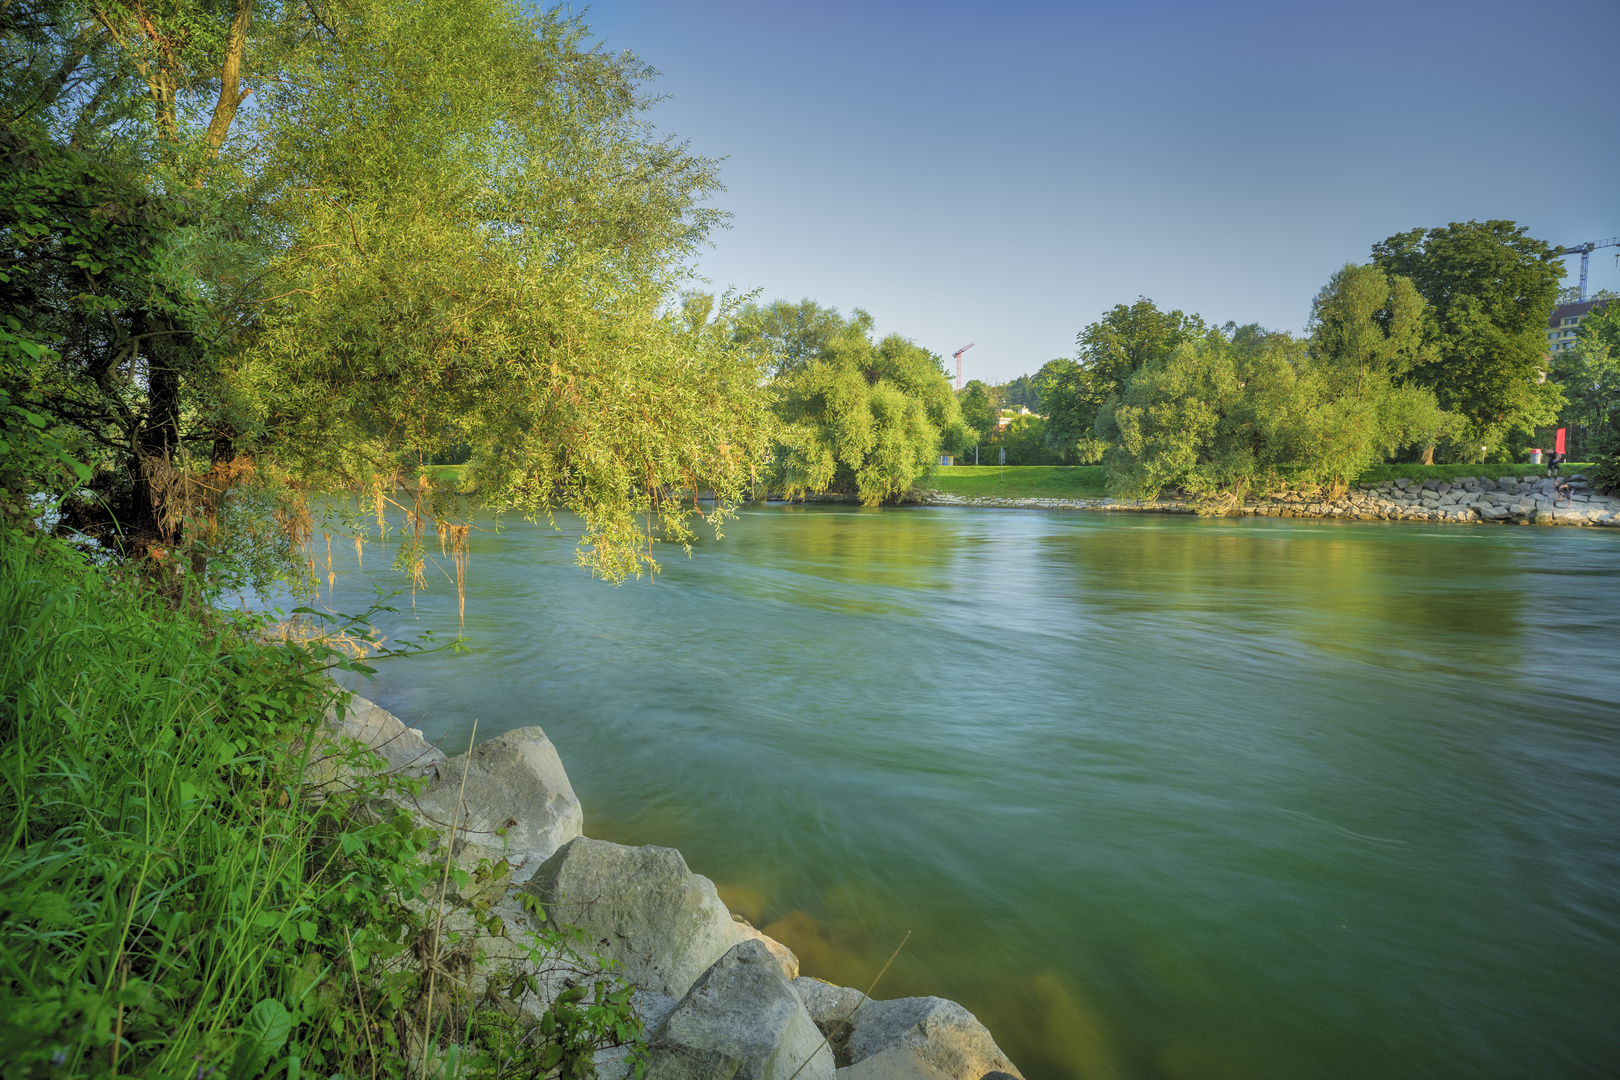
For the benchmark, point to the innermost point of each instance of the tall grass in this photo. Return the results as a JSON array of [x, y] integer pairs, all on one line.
[[179, 899], [154, 884]]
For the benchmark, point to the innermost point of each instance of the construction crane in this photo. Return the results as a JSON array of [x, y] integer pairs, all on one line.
[[1583, 250], [958, 353]]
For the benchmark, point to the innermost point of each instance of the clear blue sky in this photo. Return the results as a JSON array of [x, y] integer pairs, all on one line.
[[1003, 173]]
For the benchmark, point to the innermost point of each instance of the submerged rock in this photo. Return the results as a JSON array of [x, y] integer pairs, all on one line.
[[920, 1038], [920, 1033], [784, 955], [640, 906], [740, 1019]]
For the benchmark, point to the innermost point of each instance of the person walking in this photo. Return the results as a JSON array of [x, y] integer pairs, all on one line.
[[1552, 464]]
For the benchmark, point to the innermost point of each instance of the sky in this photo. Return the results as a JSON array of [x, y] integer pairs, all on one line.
[[1005, 173]]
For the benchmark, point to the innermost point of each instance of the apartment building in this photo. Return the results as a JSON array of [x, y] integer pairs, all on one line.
[[1565, 320]]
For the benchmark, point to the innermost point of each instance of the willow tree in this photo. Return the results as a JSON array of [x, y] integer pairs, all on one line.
[[862, 417], [437, 226]]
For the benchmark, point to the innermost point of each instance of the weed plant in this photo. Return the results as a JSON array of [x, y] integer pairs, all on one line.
[[177, 899]]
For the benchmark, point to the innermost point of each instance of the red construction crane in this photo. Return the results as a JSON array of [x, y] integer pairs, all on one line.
[[958, 354]]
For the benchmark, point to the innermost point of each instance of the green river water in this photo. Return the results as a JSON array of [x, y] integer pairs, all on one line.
[[1158, 797]]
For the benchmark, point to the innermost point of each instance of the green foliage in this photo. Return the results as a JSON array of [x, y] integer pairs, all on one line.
[[1026, 443], [444, 232], [1590, 377], [863, 417], [34, 456], [1489, 288], [785, 336], [493, 277], [83, 271], [979, 407], [1075, 394], [183, 890], [1589, 374], [1023, 392], [1222, 416]]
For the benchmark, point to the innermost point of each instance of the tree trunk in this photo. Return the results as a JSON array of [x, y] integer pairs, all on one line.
[[230, 73]]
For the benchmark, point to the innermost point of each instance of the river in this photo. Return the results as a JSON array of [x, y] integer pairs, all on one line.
[[1157, 797]]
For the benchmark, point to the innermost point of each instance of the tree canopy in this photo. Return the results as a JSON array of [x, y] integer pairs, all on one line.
[[440, 226], [1489, 287], [1589, 375], [863, 417], [784, 335], [1111, 350], [979, 409], [1235, 409]]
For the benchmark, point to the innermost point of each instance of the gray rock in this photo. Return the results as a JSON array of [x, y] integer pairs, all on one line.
[[612, 1063], [784, 955], [740, 1020], [404, 748], [922, 1034], [831, 1007], [640, 906], [518, 801]]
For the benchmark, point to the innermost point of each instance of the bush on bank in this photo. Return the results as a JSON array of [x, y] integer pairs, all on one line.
[[177, 897]]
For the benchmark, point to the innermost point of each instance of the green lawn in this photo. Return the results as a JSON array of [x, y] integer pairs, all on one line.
[[449, 475]]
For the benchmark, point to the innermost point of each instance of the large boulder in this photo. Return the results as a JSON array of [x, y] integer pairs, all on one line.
[[404, 748], [904, 1039], [640, 906], [518, 803], [740, 1020], [921, 1037]]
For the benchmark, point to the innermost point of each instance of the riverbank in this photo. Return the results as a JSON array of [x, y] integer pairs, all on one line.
[[715, 996], [1090, 482], [181, 790], [1505, 499]]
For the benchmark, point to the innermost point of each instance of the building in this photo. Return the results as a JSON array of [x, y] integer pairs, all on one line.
[[1562, 334], [1565, 320], [1008, 416]]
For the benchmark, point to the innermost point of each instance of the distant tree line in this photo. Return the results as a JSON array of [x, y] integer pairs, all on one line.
[[1432, 351]]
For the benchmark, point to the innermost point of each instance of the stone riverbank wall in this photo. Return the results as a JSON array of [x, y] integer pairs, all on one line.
[[718, 997], [1473, 499]]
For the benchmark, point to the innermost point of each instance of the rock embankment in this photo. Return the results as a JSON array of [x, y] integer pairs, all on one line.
[[717, 997], [1473, 499]]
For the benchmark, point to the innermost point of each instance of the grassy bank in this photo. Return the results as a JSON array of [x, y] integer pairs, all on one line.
[[163, 907], [1020, 481], [179, 897], [1090, 481]]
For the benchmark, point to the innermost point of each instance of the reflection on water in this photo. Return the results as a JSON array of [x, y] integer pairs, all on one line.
[[1157, 797]]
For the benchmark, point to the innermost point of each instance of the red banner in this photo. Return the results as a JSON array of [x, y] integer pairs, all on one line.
[[1559, 448]]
